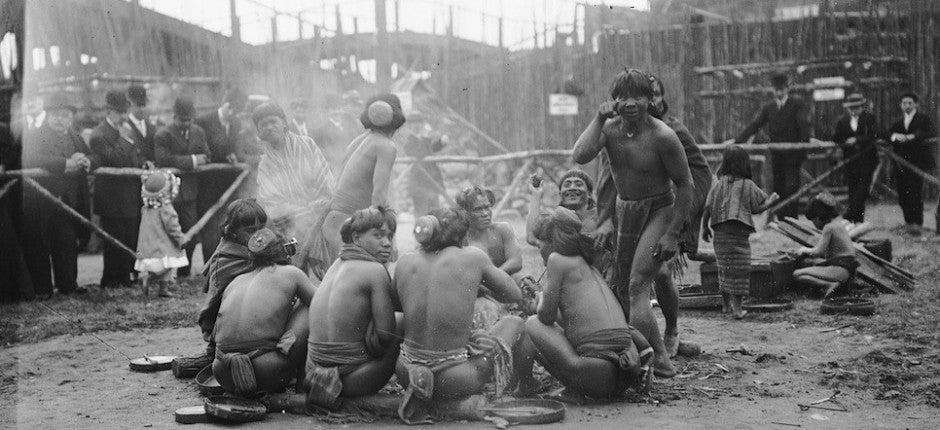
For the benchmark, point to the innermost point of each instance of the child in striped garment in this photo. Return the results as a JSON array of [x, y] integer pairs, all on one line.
[[728, 209]]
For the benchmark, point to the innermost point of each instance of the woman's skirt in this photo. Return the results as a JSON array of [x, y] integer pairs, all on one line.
[[733, 251]]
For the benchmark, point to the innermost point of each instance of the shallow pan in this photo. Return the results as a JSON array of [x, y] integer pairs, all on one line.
[[153, 363], [528, 411], [207, 383], [775, 305], [192, 415], [235, 409]]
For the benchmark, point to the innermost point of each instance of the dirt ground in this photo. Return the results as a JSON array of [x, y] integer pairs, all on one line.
[[887, 379]]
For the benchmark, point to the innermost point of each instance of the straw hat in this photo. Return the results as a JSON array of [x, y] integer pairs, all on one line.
[[854, 100]]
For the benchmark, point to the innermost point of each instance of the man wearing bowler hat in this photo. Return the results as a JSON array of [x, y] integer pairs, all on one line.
[[856, 133], [142, 130], [182, 145], [117, 198], [49, 230], [785, 119]]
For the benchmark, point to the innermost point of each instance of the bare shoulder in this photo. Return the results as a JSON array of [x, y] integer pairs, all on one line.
[[504, 229], [561, 262], [472, 254], [662, 131], [292, 271]]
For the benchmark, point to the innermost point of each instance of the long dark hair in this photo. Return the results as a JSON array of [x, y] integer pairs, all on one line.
[[561, 233], [735, 162]]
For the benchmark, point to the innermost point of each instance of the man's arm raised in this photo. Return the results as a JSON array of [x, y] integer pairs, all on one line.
[[677, 167], [591, 141], [499, 283], [532, 217], [382, 174]]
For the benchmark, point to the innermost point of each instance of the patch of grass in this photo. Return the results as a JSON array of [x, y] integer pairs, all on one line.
[[101, 310]]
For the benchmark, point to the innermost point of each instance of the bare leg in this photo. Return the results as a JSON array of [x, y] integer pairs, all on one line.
[[371, 376], [668, 297], [593, 377], [736, 306], [827, 277], [644, 268]]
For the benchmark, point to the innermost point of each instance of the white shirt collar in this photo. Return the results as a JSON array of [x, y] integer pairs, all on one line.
[[782, 102], [113, 125]]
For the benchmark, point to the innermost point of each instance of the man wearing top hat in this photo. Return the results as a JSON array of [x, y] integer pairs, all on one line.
[[785, 119], [49, 230], [856, 133], [117, 198], [142, 130], [182, 144]]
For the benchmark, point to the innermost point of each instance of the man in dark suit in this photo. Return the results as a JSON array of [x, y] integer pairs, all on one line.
[[182, 145], [117, 198], [222, 129], [786, 120], [142, 130], [908, 136], [49, 230], [856, 132]]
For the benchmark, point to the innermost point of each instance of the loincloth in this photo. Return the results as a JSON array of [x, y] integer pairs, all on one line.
[[616, 345], [327, 363], [422, 365], [847, 262], [236, 359], [632, 219]]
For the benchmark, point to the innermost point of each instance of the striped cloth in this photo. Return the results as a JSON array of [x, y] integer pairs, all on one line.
[[733, 198], [733, 251]]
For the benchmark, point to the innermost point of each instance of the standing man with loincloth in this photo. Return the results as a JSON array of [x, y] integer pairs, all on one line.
[[497, 239], [366, 172], [592, 350], [666, 292], [646, 158], [353, 344], [295, 186], [441, 357], [261, 335]]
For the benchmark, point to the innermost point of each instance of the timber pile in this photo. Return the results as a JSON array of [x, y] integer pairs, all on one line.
[[884, 275]]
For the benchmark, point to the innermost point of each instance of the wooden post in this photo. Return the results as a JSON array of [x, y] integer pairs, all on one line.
[[77, 216], [7, 187], [274, 32], [500, 32], [236, 25], [511, 190], [300, 25], [382, 64], [196, 228], [397, 22], [819, 179]]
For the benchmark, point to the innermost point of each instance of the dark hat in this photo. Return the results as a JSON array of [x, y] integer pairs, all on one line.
[[854, 100], [57, 101], [183, 108], [116, 100], [265, 110], [779, 80], [137, 94]]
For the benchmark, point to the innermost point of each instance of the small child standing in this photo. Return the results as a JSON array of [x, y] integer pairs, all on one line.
[[728, 209], [160, 240], [835, 245]]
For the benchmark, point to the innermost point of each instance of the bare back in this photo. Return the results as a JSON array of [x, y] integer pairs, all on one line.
[[636, 162], [343, 306], [437, 292], [586, 302], [366, 166], [257, 305]]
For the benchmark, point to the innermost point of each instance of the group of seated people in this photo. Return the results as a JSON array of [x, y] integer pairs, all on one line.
[[270, 325]]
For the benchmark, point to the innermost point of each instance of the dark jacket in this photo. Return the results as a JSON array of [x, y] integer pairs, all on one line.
[[221, 144], [916, 151], [788, 124], [115, 196], [865, 135], [171, 149], [47, 149], [144, 142]]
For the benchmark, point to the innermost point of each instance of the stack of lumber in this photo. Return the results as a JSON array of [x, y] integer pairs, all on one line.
[[884, 275]]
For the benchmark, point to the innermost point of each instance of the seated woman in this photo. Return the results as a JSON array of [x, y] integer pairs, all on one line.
[[835, 246], [580, 333]]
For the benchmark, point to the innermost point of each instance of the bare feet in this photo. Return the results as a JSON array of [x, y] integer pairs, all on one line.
[[671, 341], [663, 368], [740, 315], [725, 303]]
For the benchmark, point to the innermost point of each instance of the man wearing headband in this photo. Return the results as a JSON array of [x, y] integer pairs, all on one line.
[[353, 344], [295, 186], [260, 334], [646, 159], [366, 171], [441, 356]]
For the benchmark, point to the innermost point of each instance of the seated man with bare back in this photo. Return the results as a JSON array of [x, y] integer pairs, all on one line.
[[646, 158], [261, 332], [366, 171], [441, 357], [591, 349], [497, 239], [353, 345]]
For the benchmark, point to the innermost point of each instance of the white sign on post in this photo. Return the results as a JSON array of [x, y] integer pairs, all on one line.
[[829, 88], [562, 104]]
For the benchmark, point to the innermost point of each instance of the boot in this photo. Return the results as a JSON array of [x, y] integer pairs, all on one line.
[[164, 289]]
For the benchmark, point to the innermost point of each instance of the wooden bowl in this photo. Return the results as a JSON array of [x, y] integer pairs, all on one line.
[[235, 409], [153, 363], [536, 411], [208, 385]]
